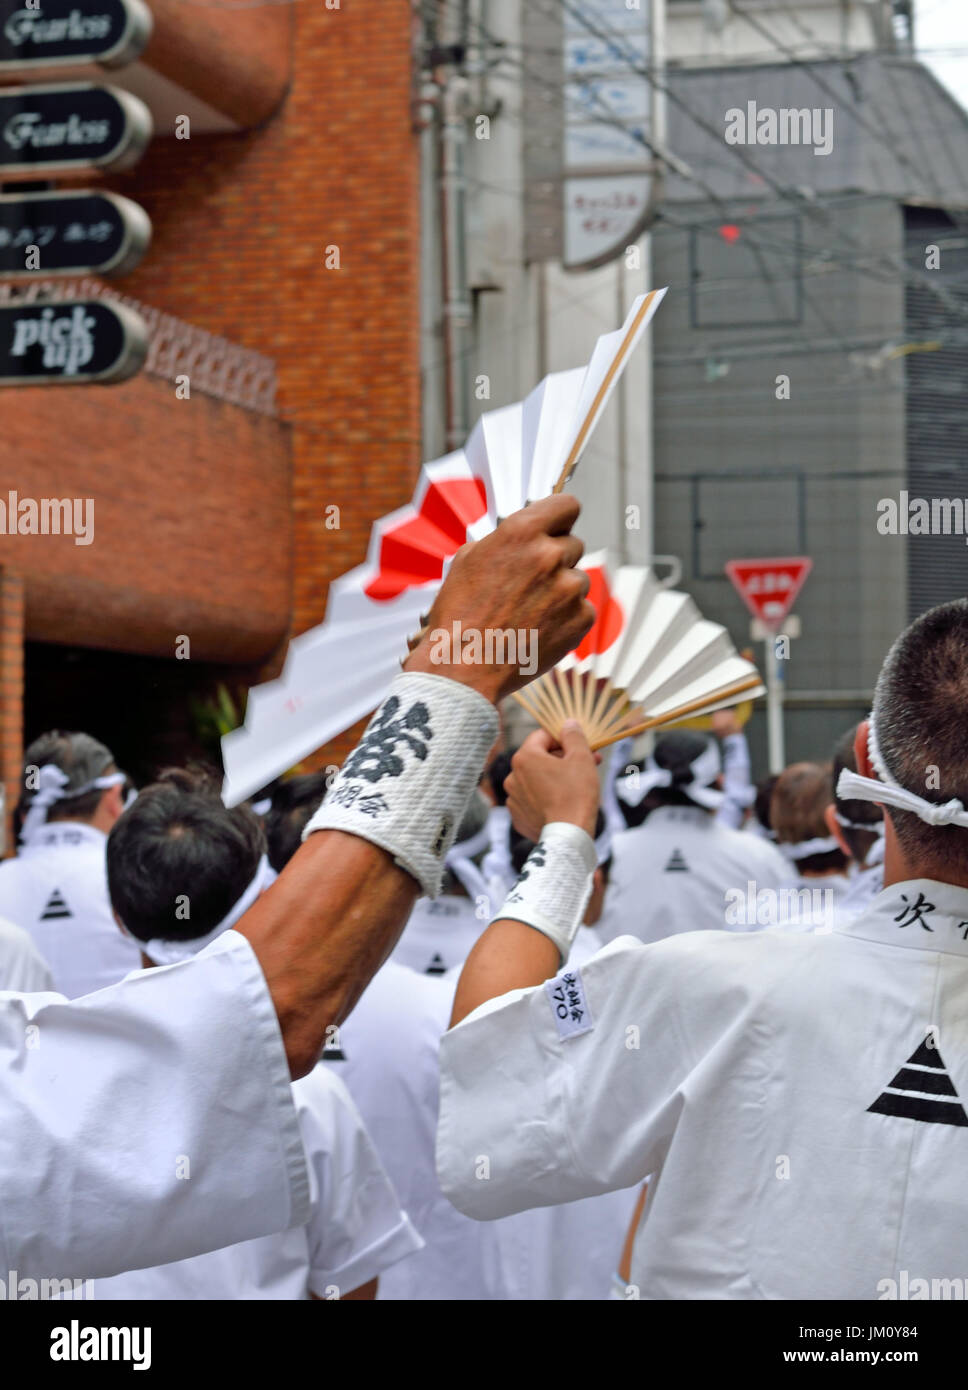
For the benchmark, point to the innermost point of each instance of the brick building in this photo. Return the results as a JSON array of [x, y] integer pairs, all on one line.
[[282, 280]]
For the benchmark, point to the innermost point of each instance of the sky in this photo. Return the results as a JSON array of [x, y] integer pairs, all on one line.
[[941, 39]]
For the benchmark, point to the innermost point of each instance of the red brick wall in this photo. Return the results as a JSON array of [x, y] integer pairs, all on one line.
[[191, 512], [242, 224], [241, 229], [11, 685]]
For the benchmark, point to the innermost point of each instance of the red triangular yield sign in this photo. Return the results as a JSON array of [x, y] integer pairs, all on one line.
[[769, 587]]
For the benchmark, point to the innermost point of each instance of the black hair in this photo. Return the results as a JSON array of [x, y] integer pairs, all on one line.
[[294, 802], [862, 813], [178, 859], [764, 795], [675, 753]]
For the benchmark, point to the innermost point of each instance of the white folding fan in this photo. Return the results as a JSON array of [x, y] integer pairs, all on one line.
[[650, 659], [339, 671]]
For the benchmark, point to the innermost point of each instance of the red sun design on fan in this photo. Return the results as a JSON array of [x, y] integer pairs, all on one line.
[[414, 550], [609, 618]]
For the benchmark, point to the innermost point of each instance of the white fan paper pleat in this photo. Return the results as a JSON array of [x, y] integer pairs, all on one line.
[[650, 659], [338, 672]]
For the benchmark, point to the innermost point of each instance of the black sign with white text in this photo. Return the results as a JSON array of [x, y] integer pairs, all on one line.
[[71, 234], [44, 33], [69, 343], [71, 125]]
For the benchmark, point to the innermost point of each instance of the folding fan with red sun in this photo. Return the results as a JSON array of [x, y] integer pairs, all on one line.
[[650, 660], [338, 672]]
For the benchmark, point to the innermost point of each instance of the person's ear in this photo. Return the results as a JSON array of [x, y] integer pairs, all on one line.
[[861, 755], [834, 827], [112, 802]]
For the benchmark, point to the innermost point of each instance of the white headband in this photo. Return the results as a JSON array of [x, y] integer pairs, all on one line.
[[821, 844], [874, 827], [887, 791], [635, 787], [52, 783], [172, 952]]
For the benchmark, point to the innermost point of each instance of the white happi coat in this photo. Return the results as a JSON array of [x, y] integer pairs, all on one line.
[[388, 1056], [355, 1231], [441, 932], [22, 967], [672, 874], [57, 890], [801, 1098], [101, 1097]]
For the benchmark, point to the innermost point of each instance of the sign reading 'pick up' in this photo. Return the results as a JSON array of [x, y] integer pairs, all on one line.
[[71, 126], [69, 343], [44, 33]]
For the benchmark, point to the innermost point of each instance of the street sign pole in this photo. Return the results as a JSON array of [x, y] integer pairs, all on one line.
[[776, 752], [775, 683], [769, 588]]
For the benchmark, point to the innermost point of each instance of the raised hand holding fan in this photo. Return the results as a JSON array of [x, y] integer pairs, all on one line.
[[338, 672], [650, 660]]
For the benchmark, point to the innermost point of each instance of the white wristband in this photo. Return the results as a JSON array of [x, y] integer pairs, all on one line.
[[555, 884], [407, 784]]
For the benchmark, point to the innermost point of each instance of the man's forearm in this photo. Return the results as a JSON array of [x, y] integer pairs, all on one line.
[[509, 955], [322, 931], [383, 832]]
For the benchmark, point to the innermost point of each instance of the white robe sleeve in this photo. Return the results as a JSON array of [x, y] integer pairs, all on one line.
[[148, 1122], [357, 1229], [535, 1110]]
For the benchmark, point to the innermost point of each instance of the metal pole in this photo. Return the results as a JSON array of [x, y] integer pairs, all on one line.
[[774, 706]]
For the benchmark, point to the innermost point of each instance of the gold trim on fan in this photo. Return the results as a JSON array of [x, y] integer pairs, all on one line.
[[617, 363]]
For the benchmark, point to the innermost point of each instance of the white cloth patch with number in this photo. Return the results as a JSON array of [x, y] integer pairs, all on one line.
[[566, 995]]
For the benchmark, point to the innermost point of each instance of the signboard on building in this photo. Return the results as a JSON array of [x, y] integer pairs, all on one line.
[[589, 172], [71, 126], [48, 33], [70, 342], [70, 234]]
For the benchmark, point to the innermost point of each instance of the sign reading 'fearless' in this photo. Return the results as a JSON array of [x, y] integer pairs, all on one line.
[[47, 33], [70, 126]]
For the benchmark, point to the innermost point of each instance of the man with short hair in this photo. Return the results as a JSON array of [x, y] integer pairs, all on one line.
[[182, 870], [802, 1096], [55, 889]]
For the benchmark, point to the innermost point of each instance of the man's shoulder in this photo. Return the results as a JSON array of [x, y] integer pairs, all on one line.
[[697, 962]]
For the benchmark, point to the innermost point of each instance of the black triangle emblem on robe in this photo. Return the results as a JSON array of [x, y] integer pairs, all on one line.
[[436, 966], [55, 907], [676, 864], [922, 1090]]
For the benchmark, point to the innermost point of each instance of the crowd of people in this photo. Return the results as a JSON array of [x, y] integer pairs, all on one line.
[[490, 1024]]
